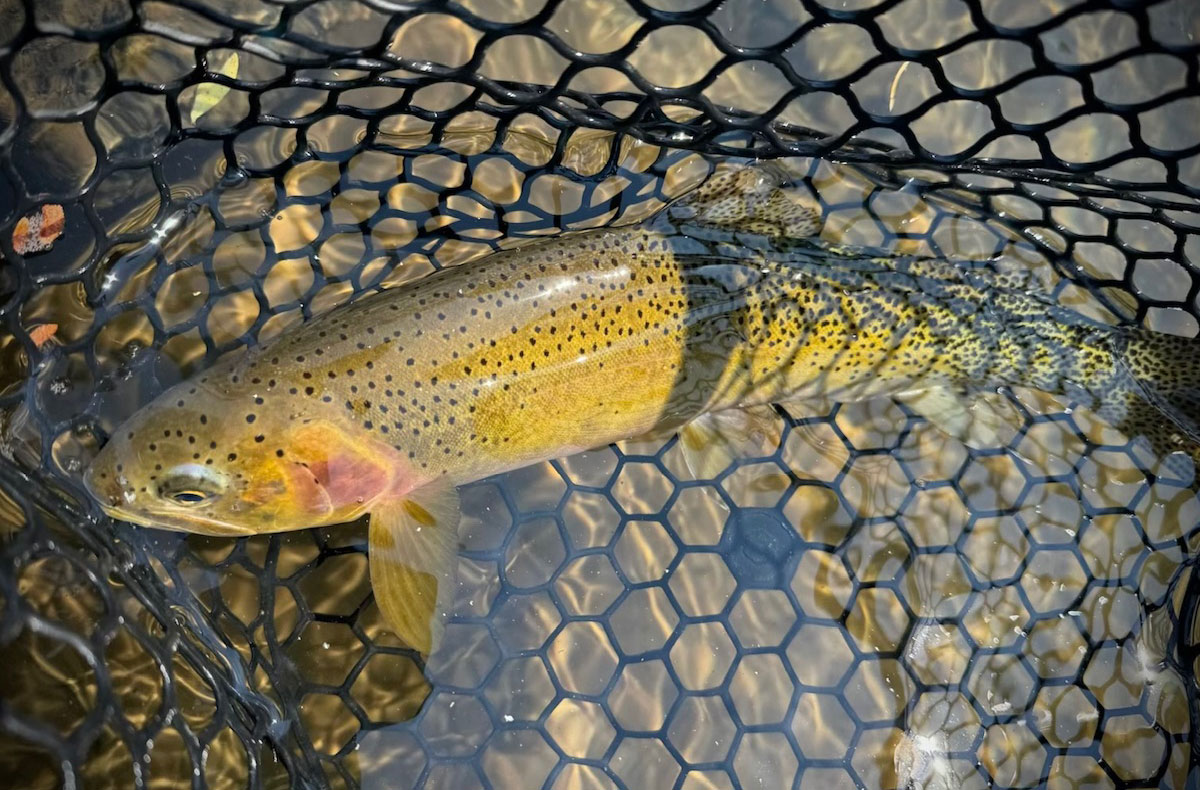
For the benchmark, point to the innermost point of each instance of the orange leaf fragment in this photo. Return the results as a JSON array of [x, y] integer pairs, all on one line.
[[42, 334], [37, 231]]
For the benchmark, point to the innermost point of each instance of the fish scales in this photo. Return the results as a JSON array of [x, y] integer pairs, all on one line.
[[467, 373]]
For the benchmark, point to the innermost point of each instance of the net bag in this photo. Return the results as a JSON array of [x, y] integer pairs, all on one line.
[[871, 605]]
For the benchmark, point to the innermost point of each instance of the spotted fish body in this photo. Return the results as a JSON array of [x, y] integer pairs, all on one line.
[[385, 405]]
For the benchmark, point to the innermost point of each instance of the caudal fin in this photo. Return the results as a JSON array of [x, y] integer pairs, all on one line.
[[1155, 393]]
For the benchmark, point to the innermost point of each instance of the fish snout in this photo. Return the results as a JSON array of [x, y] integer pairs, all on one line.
[[107, 488]]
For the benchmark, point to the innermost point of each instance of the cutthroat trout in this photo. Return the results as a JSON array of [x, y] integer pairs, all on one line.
[[386, 405]]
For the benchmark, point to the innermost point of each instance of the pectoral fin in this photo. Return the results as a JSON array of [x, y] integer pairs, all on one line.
[[975, 419], [712, 441], [412, 555]]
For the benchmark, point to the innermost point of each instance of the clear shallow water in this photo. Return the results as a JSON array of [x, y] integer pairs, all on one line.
[[617, 619], [873, 605]]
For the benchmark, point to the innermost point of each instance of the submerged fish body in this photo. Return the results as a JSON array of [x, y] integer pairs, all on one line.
[[387, 404]]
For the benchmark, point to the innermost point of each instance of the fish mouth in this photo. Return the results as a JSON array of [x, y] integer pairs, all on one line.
[[196, 525]]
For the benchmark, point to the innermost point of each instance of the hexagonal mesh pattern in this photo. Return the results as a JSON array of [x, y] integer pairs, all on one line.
[[873, 604]]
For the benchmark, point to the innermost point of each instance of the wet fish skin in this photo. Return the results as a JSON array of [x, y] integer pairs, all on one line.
[[516, 358]]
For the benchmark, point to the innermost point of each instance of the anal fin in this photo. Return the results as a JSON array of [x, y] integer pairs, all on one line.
[[713, 440], [978, 420], [412, 544]]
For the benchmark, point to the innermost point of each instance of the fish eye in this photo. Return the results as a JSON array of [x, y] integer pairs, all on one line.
[[188, 497], [191, 485]]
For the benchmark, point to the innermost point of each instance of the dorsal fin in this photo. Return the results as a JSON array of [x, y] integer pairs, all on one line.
[[755, 199]]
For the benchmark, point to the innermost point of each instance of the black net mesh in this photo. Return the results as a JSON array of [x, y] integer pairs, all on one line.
[[872, 605]]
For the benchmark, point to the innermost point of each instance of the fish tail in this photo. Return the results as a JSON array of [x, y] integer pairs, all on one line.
[[1154, 392]]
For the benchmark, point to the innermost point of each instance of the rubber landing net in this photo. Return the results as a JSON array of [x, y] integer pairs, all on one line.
[[872, 605]]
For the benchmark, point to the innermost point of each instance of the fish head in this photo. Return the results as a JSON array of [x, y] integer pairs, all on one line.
[[207, 461]]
